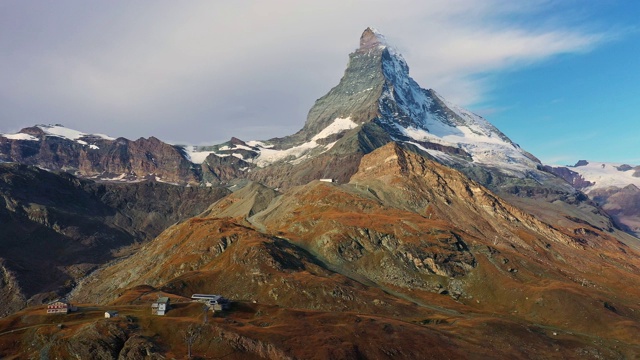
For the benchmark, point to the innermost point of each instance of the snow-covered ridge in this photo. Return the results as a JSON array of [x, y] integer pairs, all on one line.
[[605, 175], [62, 132], [269, 156], [417, 120], [266, 154]]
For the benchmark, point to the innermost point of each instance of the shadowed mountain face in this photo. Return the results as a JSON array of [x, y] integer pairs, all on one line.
[[56, 228], [623, 204]]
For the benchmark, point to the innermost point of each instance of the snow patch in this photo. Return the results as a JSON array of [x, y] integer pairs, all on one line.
[[298, 153], [338, 125], [20, 136], [269, 156], [196, 156], [256, 143], [242, 147]]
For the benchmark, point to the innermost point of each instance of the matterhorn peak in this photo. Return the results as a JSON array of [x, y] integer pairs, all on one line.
[[372, 38]]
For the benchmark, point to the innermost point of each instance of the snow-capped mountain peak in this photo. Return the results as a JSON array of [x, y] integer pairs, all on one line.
[[423, 117], [377, 88]]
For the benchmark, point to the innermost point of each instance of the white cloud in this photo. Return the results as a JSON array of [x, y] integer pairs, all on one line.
[[206, 63]]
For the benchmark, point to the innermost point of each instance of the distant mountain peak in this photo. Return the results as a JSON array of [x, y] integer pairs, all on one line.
[[377, 101], [372, 38]]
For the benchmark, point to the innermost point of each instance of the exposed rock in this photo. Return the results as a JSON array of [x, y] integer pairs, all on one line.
[[103, 158], [572, 177]]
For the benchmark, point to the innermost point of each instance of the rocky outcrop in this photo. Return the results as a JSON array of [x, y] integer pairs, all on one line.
[[11, 293], [221, 170], [101, 158], [572, 177]]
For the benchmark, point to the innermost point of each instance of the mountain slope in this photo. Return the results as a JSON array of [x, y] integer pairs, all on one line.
[[406, 236], [57, 228]]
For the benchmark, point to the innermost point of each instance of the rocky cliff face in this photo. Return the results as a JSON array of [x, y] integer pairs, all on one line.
[[56, 148]]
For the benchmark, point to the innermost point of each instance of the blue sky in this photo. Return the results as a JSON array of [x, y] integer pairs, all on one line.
[[558, 77], [575, 106]]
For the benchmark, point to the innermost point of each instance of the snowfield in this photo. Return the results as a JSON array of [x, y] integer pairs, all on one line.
[[62, 132], [606, 175]]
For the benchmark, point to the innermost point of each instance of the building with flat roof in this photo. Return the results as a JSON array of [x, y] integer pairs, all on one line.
[[160, 306], [60, 306], [215, 302]]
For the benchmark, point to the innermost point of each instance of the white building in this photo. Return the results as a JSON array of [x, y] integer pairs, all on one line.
[[161, 306]]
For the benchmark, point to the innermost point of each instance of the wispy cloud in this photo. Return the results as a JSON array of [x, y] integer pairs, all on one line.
[[251, 62]]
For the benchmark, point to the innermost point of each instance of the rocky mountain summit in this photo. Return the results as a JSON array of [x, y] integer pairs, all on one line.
[[377, 102], [431, 235]]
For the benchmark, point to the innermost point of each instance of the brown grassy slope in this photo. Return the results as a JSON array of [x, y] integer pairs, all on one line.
[[427, 224], [204, 255], [406, 238], [252, 331]]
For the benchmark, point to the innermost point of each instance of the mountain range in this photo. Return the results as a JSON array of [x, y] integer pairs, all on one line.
[[431, 232]]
